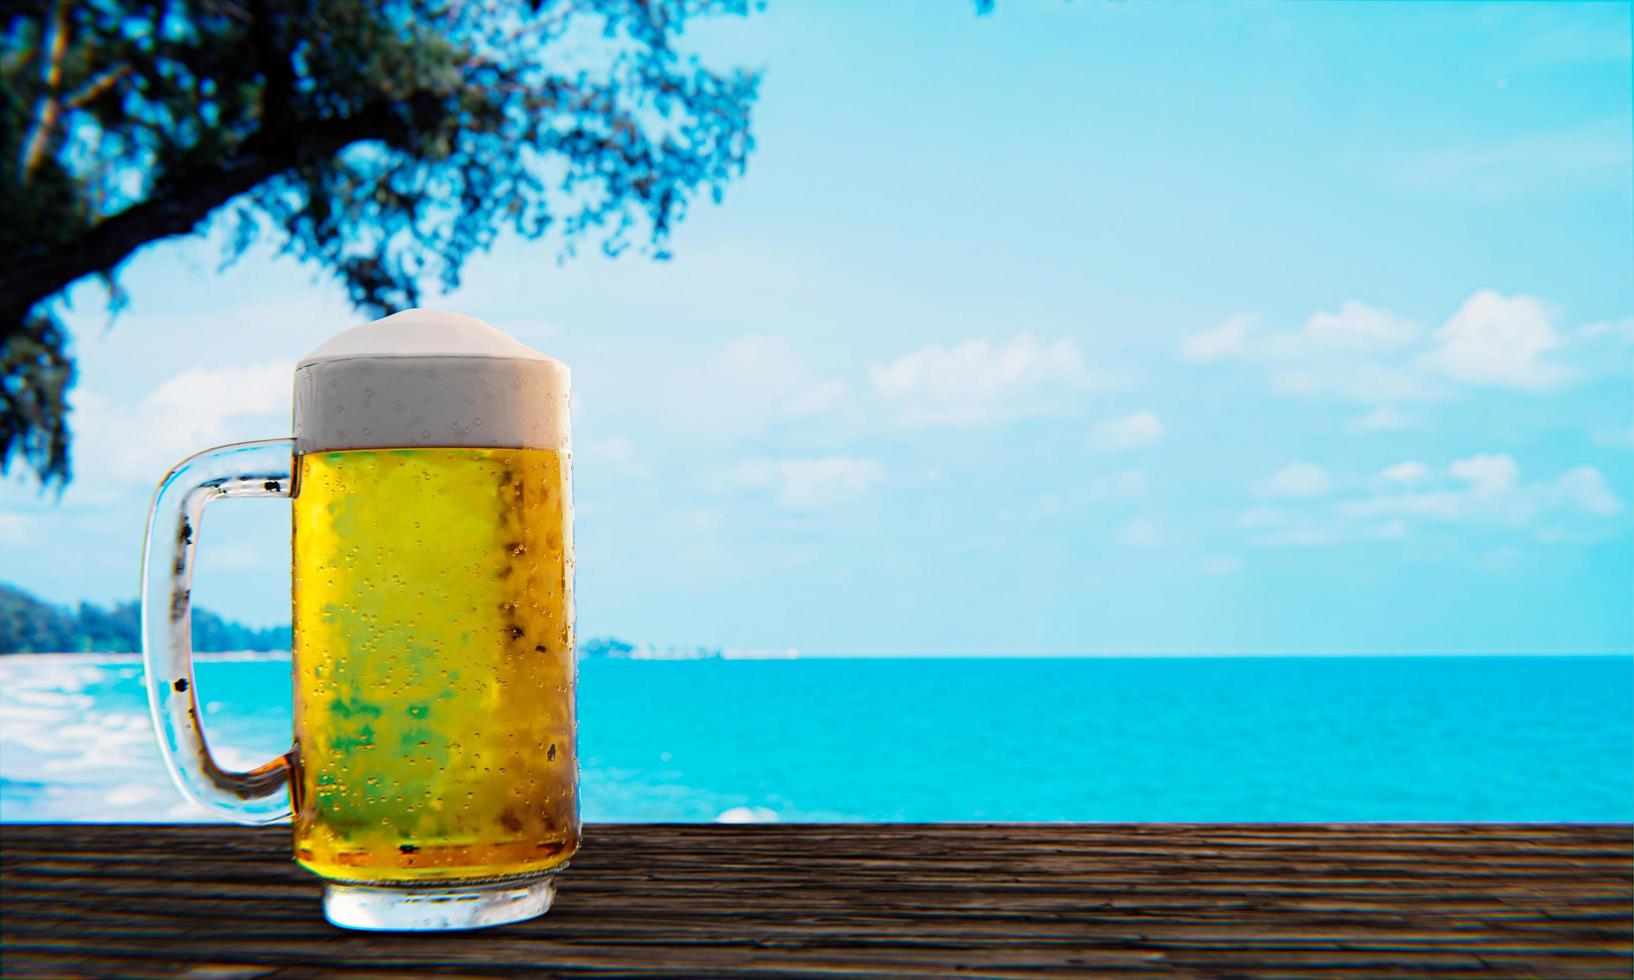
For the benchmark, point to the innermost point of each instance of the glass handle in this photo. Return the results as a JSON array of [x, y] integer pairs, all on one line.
[[245, 469]]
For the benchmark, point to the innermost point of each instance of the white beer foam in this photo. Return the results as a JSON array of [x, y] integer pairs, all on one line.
[[424, 378]]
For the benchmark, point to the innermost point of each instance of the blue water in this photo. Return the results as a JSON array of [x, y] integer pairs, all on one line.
[[1205, 739]]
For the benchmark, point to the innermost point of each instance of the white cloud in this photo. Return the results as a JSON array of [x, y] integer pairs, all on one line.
[[1220, 565], [615, 454], [12, 527], [1449, 505], [1587, 490], [1623, 437], [191, 411], [1385, 418], [805, 484], [979, 381], [1357, 326], [1227, 339], [1621, 331], [1352, 353], [1497, 340], [1295, 480], [687, 524], [1276, 527], [1341, 378], [1140, 532], [1488, 488], [1487, 474], [251, 390], [1484, 489], [1255, 518], [749, 384], [614, 449], [1371, 356], [1129, 432], [1122, 485], [1407, 472], [816, 399], [1302, 533], [1392, 530], [694, 538], [1355, 329]]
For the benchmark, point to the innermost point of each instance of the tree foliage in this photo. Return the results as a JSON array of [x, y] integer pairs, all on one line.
[[384, 141], [28, 625]]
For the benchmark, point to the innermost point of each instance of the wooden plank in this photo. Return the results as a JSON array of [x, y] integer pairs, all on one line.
[[892, 900]]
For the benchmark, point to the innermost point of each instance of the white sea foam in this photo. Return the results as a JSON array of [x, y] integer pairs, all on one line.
[[747, 814], [76, 744]]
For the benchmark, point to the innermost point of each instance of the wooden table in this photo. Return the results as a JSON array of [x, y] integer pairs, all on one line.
[[1031, 900]]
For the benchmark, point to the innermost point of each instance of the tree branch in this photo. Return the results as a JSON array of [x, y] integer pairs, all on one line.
[[45, 120], [273, 60], [175, 207], [96, 88]]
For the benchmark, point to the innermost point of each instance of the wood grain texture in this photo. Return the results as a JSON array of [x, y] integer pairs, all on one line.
[[1032, 900]]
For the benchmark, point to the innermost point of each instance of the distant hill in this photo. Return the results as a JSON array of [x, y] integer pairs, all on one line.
[[30, 625]]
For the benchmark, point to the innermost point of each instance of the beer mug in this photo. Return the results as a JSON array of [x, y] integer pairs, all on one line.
[[433, 779]]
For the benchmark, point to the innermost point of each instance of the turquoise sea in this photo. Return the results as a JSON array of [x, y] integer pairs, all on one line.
[[1184, 739]]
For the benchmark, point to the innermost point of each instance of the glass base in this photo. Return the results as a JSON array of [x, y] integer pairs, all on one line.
[[432, 907]]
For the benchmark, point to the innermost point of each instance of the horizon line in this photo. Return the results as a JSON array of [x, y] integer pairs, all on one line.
[[784, 655]]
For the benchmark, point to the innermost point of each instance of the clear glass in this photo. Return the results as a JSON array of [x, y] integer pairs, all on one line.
[[430, 908], [246, 469], [434, 771]]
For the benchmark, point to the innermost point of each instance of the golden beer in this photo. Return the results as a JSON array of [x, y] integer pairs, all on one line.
[[434, 664], [434, 773]]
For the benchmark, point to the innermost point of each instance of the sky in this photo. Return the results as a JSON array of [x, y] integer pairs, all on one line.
[[1076, 328]]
